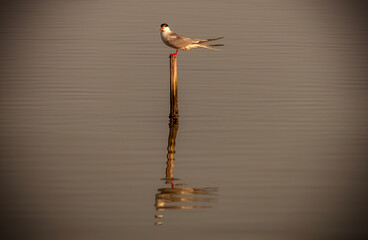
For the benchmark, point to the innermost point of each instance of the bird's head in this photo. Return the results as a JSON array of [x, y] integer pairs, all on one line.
[[165, 27]]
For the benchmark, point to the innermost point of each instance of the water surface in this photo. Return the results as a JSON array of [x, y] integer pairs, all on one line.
[[271, 137]]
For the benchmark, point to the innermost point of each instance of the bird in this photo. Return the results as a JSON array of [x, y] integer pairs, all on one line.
[[180, 42]]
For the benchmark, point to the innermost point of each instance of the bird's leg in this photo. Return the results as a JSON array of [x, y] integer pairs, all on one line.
[[175, 52]]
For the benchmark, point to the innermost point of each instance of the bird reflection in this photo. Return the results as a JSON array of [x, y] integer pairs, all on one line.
[[178, 195]]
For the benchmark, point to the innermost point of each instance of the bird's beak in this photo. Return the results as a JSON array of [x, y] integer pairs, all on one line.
[[162, 29]]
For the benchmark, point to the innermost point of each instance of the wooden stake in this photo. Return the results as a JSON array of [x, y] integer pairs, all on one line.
[[174, 110]]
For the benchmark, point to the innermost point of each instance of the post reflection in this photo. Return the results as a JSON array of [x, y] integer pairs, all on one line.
[[176, 195]]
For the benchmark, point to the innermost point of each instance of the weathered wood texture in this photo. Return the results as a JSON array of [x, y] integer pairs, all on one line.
[[174, 110]]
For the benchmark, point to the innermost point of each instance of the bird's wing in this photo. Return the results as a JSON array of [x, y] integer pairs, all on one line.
[[207, 40], [178, 41]]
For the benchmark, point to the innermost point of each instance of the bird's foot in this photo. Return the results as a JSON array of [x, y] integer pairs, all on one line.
[[174, 54]]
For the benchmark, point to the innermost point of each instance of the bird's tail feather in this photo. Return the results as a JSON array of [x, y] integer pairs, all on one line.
[[215, 45], [209, 46]]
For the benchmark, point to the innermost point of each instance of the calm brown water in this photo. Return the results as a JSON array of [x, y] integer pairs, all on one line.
[[272, 136]]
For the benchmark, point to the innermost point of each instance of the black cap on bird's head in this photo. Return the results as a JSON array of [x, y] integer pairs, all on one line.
[[163, 26]]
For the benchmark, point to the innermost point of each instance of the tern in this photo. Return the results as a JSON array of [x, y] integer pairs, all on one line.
[[181, 42]]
